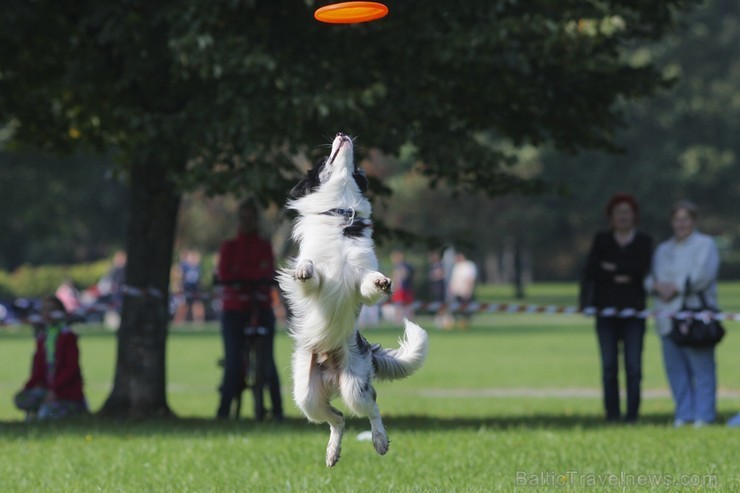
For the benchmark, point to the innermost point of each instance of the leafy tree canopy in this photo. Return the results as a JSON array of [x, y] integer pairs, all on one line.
[[681, 144], [238, 88], [59, 210]]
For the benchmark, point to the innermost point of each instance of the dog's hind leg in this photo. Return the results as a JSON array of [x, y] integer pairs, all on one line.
[[380, 437], [334, 447], [359, 395], [312, 397]]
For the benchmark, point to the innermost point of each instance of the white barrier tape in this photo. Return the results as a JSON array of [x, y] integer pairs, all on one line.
[[474, 307], [416, 306], [79, 314], [139, 292]]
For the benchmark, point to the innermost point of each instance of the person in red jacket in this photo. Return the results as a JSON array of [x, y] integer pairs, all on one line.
[[246, 269], [54, 389]]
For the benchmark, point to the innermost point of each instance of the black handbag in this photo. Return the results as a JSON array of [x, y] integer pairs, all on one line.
[[702, 330]]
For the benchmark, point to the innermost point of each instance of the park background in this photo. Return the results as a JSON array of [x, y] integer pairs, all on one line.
[[515, 393]]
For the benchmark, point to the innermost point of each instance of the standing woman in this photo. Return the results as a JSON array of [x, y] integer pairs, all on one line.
[[691, 255], [614, 277]]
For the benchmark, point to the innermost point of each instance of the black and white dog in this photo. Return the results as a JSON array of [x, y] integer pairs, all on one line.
[[335, 273]]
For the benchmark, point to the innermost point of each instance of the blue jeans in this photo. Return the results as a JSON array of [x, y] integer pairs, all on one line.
[[236, 342], [33, 402], [692, 376], [630, 331]]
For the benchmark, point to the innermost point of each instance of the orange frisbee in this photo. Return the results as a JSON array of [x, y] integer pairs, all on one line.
[[350, 12]]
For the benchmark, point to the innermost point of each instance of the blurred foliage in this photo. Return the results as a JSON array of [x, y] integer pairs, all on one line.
[[59, 210], [38, 281], [239, 88], [682, 143]]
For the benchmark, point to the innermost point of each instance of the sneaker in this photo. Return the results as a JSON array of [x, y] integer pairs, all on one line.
[[678, 423], [700, 423]]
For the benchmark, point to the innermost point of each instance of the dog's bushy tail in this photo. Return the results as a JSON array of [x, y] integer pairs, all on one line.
[[394, 364]]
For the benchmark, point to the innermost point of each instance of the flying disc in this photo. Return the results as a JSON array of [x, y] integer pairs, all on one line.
[[350, 12]]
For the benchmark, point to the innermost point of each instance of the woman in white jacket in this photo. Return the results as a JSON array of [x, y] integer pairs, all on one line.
[[687, 255]]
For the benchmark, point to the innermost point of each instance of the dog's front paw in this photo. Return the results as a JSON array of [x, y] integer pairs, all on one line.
[[304, 270], [374, 287], [383, 284]]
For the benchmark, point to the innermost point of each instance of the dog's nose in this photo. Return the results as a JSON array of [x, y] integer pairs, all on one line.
[[340, 134]]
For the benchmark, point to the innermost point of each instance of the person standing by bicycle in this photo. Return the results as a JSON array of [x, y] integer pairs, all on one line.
[[246, 268]]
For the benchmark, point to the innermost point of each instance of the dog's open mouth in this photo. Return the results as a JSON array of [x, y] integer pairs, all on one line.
[[340, 141]]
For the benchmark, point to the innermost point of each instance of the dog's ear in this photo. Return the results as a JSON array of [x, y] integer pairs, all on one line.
[[311, 181], [360, 179], [302, 189]]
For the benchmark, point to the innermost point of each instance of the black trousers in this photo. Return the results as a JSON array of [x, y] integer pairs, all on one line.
[[631, 331], [241, 338]]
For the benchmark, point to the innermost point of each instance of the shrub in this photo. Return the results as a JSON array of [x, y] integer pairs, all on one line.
[[33, 282], [6, 286]]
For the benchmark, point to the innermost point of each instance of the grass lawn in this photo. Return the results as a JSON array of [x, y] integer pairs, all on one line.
[[511, 405]]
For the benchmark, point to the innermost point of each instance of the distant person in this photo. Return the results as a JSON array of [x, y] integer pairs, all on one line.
[[54, 389], [369, 316], [402, 278], [436, 279], [613, 277], [448, 262], [462, 286], [117, 274], [246, 268], [68, 295], [111, 288], [189, 277], [693, 256]]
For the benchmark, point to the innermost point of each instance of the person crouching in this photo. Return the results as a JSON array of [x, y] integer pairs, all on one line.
[[54, 389]]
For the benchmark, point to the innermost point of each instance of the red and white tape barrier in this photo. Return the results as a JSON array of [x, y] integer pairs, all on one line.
[[475, 307], [433, 307]]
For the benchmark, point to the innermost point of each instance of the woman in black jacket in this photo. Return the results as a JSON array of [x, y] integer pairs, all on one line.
[[614, 277]]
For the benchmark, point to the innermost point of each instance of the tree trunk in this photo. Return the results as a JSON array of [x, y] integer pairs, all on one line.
[[139, 388], [518, 270]]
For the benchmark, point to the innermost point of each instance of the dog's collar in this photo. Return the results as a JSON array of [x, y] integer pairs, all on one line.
[[354, 226], [348, 214]]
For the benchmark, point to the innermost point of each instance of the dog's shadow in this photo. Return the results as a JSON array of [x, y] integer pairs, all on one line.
[[400, 423], [534, 421]]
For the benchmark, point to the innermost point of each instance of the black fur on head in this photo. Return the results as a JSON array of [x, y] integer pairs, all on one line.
[[312, 181], [360, 179]]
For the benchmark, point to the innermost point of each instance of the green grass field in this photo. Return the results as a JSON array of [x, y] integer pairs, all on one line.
[[511, 405]]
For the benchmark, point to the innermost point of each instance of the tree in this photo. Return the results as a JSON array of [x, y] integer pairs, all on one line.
[[679, 144], [226, 94]]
